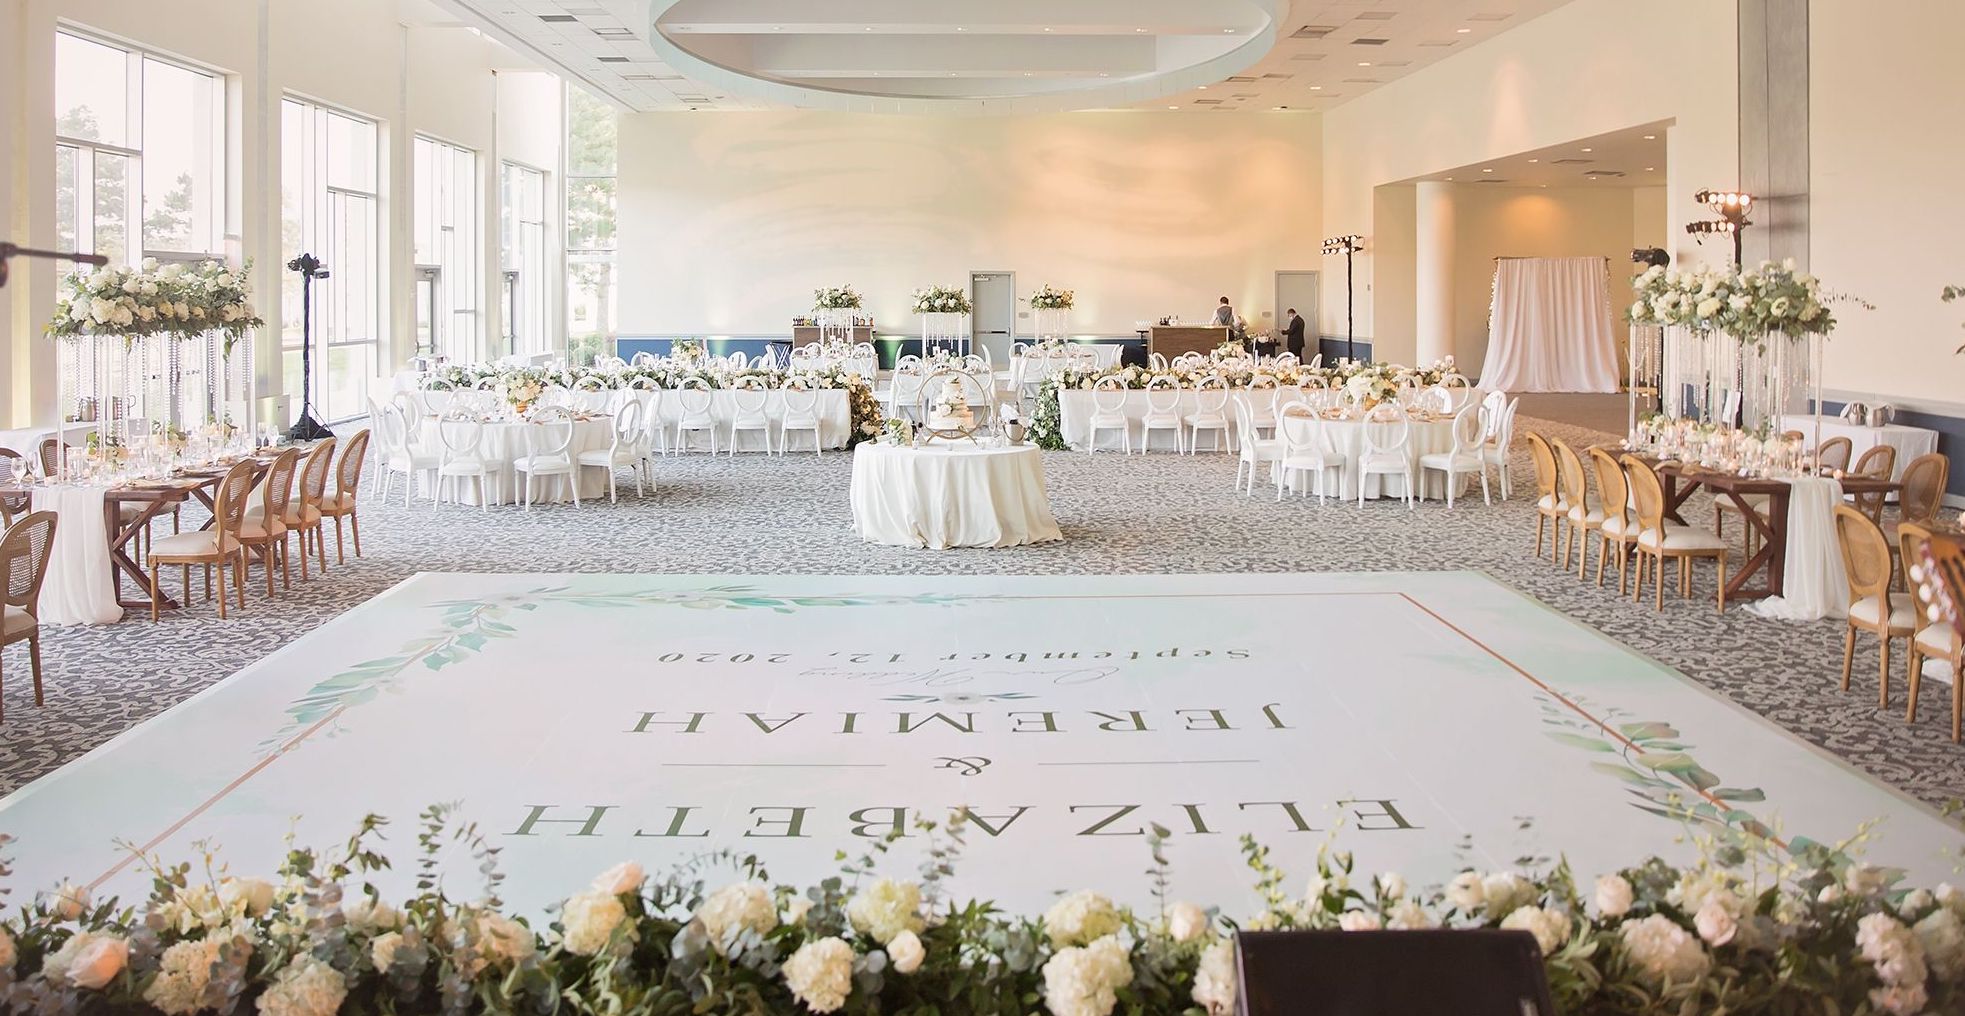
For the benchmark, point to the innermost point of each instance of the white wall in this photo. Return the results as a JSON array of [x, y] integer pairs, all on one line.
[[1501, 221], [354, 54], [730, 220], [1587, 68], [1885, 220]]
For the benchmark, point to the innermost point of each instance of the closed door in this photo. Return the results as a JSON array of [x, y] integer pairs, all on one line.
[[1300, 290], [994, 295]]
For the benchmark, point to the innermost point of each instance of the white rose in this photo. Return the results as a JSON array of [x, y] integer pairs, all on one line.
[[1662, 952], [1504, 891], [122, 317], [98, 962], [1613, 895], [589, 920], [1465, 892], [78, 311], [625, 877], [796, 910], [1409, 915], [820, 974], [146, 314], [307, 987], [1715, 922], [1359, 920], [382, 950], [1080, 918], [1186, 922], [1550, 929], [1639, 310], [1951, 898], [68, 902], [907, 952], [1942, 935], [1392, 885], [1829, 894], [1916, 902], [364, 912], [1708, 307], [1897, 952], [885, 909], [1864, 879], [1215, 979], [172, 270], [101, 310], [253, 896]]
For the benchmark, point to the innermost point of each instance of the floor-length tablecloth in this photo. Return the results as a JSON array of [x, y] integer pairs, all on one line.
[[504, 443], [79, 588], [835, 417], [1910, 442], [946, 496], [1075, 408], [1814, 585], [1347, 437]]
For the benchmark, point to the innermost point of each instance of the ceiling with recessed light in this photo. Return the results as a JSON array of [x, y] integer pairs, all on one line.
[[982, 56], [1633, 157]]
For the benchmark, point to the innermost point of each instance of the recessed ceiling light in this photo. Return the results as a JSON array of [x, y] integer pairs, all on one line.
[[1487, 171], [1651, 137], [1535, 160], [1364, 63], [1173, 107], [1464, 31], [1139, 29], [1228, 31], [777, 28], [1204, 88], [1103, 74], [1316, 88], [1651, 169], [1589, 149], [869, 28], [1046, 29], [1449, 179], [1593, 178], [959, 28]]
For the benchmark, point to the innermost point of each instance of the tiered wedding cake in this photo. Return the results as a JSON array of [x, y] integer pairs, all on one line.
[[951, 410]]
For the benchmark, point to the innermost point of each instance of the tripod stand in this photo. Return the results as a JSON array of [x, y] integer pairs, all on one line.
[[306, 428]]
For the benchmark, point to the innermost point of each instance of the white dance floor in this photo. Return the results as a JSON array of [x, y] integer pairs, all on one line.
[[581, 720]]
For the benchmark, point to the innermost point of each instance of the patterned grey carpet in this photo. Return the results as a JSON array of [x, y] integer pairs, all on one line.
[[1159, 513]]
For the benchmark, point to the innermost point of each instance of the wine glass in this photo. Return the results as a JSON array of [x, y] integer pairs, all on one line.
[[17, 467]]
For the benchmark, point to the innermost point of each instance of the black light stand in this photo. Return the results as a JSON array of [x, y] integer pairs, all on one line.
[[1732, 208], [306, 428], [1347, 246], [8, 250]]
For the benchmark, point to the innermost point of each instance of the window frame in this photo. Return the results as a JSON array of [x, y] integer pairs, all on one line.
[[327, 212]]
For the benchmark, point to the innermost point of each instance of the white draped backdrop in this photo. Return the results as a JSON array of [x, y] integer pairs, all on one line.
[[1549, 329]]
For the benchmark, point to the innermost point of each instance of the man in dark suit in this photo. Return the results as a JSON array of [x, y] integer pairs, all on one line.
[[1293, 332]]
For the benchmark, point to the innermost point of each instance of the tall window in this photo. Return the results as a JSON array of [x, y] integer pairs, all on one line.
[[447, 258], [522, 237], [590, 264], [328, 201], [139, 154]]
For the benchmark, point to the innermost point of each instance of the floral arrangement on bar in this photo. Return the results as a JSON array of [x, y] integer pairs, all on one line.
[[176, 299], [941, 300], [1745, 303], [863, 408], [1233, 349], [1750, 928], [1051, 298], [841, 298]]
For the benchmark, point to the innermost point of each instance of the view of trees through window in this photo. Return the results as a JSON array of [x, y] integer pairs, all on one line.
[[591, 155]]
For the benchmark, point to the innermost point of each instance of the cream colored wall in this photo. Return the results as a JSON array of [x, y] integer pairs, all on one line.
[[730, 220], [1499, 221], [1885, 220], [1388, 281], [352, 54], [1587, 68]]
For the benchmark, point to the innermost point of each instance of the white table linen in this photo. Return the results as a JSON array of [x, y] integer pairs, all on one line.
[[79, 587], [1425, 437], [1910, 442], [27, 440], [835, 419], [1075, 411], [952, 495], [503, 444], [1813, 582]]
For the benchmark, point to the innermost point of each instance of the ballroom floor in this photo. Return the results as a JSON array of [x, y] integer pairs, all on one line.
[[1158, 513]]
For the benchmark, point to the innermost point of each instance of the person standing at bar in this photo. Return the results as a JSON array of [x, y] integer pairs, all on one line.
[[1224, 315]]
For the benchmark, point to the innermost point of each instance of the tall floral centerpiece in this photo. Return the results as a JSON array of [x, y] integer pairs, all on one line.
[[1051, 307], [126, 332], [836, 310], [1744, 343], [945, 318]]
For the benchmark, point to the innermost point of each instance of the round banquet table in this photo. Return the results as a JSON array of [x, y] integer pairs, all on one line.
[[944, 496], [504, 443], [1427, 436]]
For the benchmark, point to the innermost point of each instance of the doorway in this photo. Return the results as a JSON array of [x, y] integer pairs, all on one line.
[[994, 298], [1302, 290]]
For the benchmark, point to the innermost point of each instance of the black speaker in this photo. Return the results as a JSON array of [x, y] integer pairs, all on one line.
[[1476, 972]]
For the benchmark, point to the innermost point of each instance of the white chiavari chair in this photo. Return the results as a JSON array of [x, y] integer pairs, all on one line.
[[1254, 451], [1304, 447], [401, 453], [644, 359], [1464, 458], [461, 456], [623, 451], [1162, 413], [1387, 434], [1156, 361], [749, 400], [801, 414], [1460, 392], [1500, 415], [548, 446], [695, 405], [1210, 414], [1316, 362], [1109, 413], [1263, 393]]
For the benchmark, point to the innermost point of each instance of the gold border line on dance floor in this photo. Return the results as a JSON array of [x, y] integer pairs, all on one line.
[[295, 742]]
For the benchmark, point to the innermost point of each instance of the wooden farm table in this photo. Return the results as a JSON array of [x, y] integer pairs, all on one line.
[[1768, 565]]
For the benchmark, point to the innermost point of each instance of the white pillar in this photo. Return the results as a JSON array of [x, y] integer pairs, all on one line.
[[1433, 271]]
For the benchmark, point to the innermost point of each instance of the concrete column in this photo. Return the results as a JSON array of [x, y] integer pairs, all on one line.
[[1433, 271]]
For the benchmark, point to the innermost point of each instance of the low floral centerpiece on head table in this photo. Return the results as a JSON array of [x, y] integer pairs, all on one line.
[[941, 300], [840, 298], [1049, 297], [1755, 926], [176, 299]]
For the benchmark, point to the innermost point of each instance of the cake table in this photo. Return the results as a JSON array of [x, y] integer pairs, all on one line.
[[951, 495]]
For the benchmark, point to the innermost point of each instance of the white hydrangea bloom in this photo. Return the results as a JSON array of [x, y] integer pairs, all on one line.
[[1943, 936], [1080, 918], [1896, 951], [1663, 952], [1550, 928], [307, 987], [1186, 922], [1504, 891], [1215, 979], [820, 974], [589, 920], [736, 906], [1409, 915], [1465, 892], [1085, 981], [182, 974], [885, 909], [1359, 920]]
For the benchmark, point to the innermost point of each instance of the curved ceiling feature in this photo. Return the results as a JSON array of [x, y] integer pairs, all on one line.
[[961, 56]]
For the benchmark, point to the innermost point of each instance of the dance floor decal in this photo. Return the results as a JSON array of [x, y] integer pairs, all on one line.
[[1423, 721]]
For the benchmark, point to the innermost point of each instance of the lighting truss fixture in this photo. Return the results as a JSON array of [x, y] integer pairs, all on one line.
[[1732, 208]]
